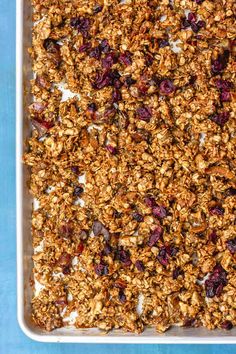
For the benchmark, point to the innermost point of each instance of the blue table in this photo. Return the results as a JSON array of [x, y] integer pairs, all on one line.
[[12, 340]]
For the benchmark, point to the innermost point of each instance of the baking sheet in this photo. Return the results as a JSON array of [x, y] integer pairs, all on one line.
[[24, 243]]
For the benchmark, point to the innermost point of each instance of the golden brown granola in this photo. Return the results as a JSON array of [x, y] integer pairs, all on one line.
[[134, 171]]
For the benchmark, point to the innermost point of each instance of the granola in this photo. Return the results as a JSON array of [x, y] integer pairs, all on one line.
[[132, 161]]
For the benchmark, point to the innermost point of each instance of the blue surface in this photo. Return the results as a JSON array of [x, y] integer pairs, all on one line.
[[12, 340]]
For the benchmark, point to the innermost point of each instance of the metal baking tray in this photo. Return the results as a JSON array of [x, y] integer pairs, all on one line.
[[24, 242]]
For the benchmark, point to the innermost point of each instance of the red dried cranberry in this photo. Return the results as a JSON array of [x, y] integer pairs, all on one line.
[[199, 1], [225, 96], [163, 43], [194, 26], [117, 83], [138, 217], [162, 256], [220, 119], [79, 249], [185, 23], [97, 9], [171, 250], [116, 96], [144, 113], [192, 17], [227, 325], [140, 266], [220, 63], [95, 53], [122, 296], [177, 272], [111, 149], [159, 211], [78, 191], [216, 281], [85, 47], [102, 80], [125, 58], [217, 210], [123, 256], [201, 24], [101, 269], [82, 24], [109, 60], [231, 245], [156, 234], [224, 84], [167, 87], [213, 237], [150, 201], [75, 169]]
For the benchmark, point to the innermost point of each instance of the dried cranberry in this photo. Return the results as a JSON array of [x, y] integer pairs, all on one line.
[[117, 84], [167, 87], [122, 296], [82, 24], [138, 217], [159, 211], [177, 272], [231, 245], [225, 96], [85, 47], [194, 26], [95, 53], [162, 256], [213, 237], [114, 74], [224, 84], [185, 23], [217, 210], [109, 60], [171, 250], [101, 269], [51, 46], [78, 191], [227, 325], [104, 46], [111, 149], [79, 249], [102, 80], [61, 301], [140, 266], [116, 96], [75, 169], [156, 234], [150, 201], [220, 119], [97, 9], [144, 113], [163, 43], [220, 63], [199, 1], [192, 17], [201, 24], [216, 281], [123, 256], [126, 58]]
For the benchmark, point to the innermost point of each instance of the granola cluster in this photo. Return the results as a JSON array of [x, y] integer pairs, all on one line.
[[132, 161]]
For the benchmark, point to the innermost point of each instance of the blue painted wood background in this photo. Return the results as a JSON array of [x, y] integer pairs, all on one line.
[[12, 340]]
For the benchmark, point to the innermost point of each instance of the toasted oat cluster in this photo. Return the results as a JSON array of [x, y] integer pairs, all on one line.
[[132, 161]]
